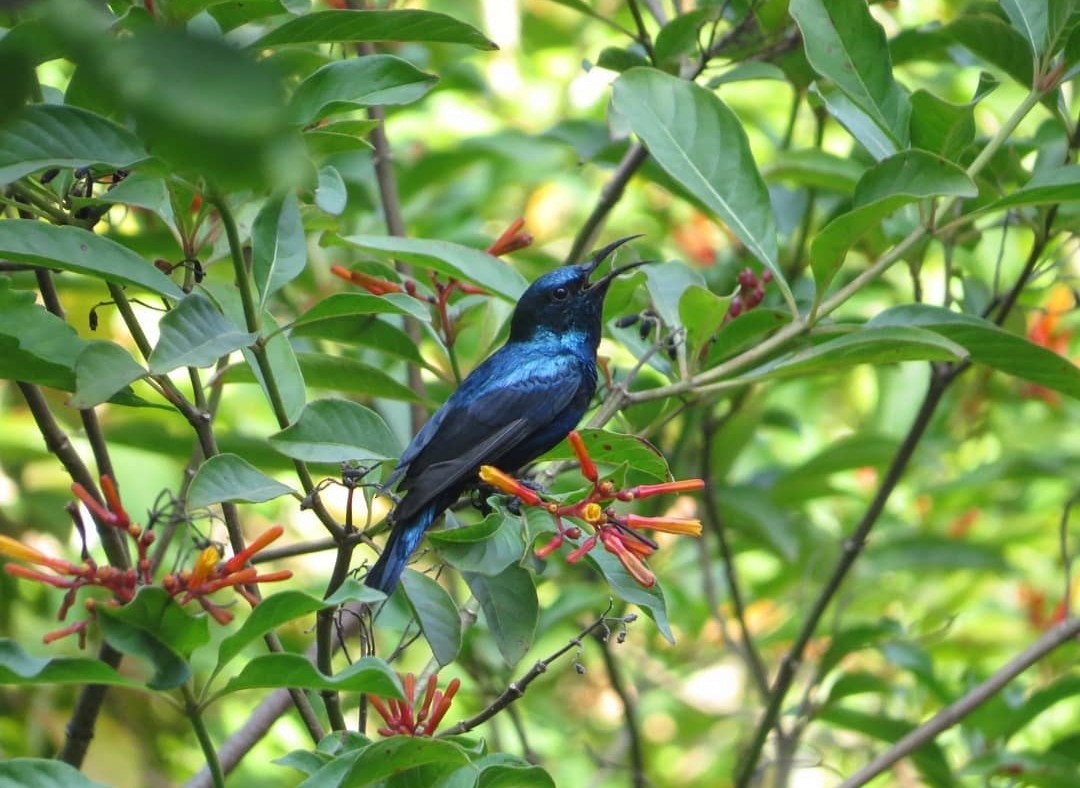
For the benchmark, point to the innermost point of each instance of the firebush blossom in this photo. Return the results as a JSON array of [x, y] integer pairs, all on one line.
[[415, 716], [620, 534], [208, 575]]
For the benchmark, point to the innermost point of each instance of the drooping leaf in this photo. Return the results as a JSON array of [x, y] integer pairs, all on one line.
[[346, 305], [336, 430], [1052, 185], [857, 121], [278, 245], [992, 39], [35, 345], [271, 613], [195, 334], [282, 669], [650, 600], [940, 127], [436, 613], [18, 667], [401, 755], [700, 142], [325, 27], [228, 477], [49, 135], [71, 248], [284, 367], [101, 370], [358, 82], [511, 609]]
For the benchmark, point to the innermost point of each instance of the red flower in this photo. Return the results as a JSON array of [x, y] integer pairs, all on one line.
[[409, 717]]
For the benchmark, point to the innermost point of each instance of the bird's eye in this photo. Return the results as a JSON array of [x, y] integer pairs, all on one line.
[[560, 293]]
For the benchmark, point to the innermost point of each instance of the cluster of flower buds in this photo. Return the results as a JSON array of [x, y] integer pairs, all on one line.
[[511, 240], [751, 292], [208, 575], [415, 716], [620, 534]]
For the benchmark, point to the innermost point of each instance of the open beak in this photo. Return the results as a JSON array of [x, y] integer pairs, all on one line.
[[601, 284]]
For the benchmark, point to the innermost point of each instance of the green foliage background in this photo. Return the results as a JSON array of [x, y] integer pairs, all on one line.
[[908, 173]]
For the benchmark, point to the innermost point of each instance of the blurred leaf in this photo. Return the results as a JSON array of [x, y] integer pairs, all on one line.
[[358, 82], [748, 72], [330, 194], [336, 430], [42, 773], [701, 143], [857, 683], [154, 627], [349, 26], [285, 369], [816, 169], [846, 45], [18, 667], [101, 370], [927, 552], [511, 609], [436, 614], [271, 613], [228, 477], [400, 755], [680, 36], [989, 345], [278, 245], [1052, 185], [612, 449], [744, 331], [868, 345], [855, 638], [1031, 20], [365, 329], [451, 259], [343, 305], [1019, 716], [281, 669], [340, 373], [194, 333], [621, 59], [45, 135], [995, 42], [747, 510], [650, 600], [353, 590], [701, 313], [74, 249], [901, 179], [35, 345]]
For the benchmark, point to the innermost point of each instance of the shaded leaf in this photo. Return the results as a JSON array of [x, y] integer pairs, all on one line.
[[268, 615], [1031, 20], [18, 667], [345, 305], [487, 547], [367, 674], [941, 127], [330, 194], [278, 245], [101, 370], [995, 42], [612, 449], [340, 373], [358, 82], [1052, 185], [42, 773], [336, 430], [817, 169], [436, 613], [35, 345], [228, 477], [195, 334], [650, 600], [511, 609], [401, 755], [325, 27]]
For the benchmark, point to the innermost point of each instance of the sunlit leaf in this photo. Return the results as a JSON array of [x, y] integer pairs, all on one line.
[[227, 477], [336, 430]]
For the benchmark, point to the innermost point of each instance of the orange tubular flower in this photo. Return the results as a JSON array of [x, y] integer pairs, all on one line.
[[511, 240], [669, 525], [649, 490], [504, 482], [588, 467], [409, 717], [13, 548], [373, 284]]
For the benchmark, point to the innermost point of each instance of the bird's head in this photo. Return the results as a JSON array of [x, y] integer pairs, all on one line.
[[564, 301]]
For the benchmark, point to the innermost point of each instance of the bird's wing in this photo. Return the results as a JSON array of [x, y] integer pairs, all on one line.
[[486, 418]]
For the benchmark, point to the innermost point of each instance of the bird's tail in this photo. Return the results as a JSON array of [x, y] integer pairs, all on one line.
[[404, 539]]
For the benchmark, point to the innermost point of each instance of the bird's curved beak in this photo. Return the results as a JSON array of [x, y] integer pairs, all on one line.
[[601, 284]]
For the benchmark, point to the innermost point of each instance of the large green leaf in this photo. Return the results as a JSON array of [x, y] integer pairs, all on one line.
[[846, 45], [1047, 187], [268, 615], [612, 449], [42, 773], [650, 600], [101, 370], [195, 334], [990, 345], [487, 547], [1031, 18], [447, 258], [401, 755], [35, 345], [347, 305], [337, 430], [813, 168], [18, 667], [358, 82], [325, 27], [700, 142], [436, 613], [340, 373], [994, 41], [367, 674], [511, 609], [907, 177], [228, 477], [941, 127], [49, 135], [278, 245], [75, 249]]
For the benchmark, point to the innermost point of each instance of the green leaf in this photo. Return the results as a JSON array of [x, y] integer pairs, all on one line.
[[348, 305], [35, 345], [846, 45], [487, 547], [284, 367], [994, 41], [510, 607], [102, 369], [922, 553], [1052, 185], [650, 600], [436, 613], [868, 345], [701, 313], [756, 517], [353, 590], [1031, 20], [612, 449], [899, 180], [511, 775], [281, 669], [815, 169], [340, 373], [331, 194], [940, 127], [48, 135], [990, 345], [681, 35], [336, 430], [697, 140], [327, 27], [368, 330], [271, 613], [278, 245], [42, 773], [228, 477], [854, 119], [195, 334], [344, 85], [399, 756], [18, 667], [452, 259], [75, 249]]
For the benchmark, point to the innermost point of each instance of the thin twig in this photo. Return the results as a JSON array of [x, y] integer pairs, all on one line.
[[612, 192], [630, 713]]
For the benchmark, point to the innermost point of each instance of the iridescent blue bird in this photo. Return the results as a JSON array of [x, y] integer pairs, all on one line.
[[520, 402]]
